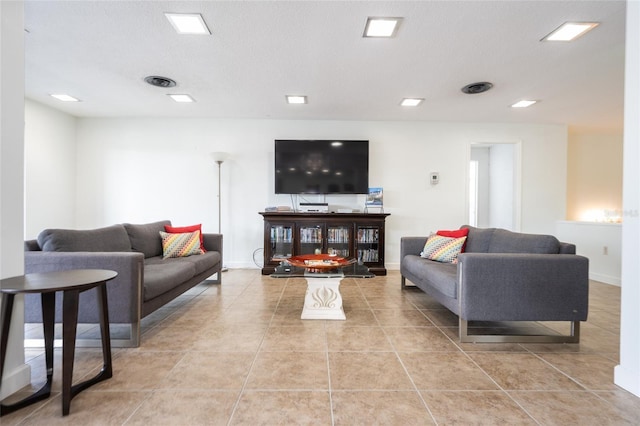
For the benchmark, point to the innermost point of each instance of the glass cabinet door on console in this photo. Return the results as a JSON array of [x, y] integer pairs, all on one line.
[[281, 242], [368, 244], [310, 239], [339, 240]]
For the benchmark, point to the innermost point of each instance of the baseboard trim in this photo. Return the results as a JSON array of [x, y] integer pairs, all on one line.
[[607, 279], [627, 379], [15, 380]]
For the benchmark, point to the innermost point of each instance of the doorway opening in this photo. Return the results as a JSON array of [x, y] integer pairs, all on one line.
[[493, 185]]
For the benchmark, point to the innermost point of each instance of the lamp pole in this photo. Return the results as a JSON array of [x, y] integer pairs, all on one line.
[[219, 196], [219, 158]]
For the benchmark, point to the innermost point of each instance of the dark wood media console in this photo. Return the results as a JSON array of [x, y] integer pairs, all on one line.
[[357, 235]]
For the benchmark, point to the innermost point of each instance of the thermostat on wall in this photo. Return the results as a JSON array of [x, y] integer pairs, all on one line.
[[434, 178]]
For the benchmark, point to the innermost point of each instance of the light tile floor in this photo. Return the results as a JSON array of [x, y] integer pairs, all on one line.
[[238, 354]]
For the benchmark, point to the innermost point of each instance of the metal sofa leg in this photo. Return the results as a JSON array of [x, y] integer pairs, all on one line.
[[465, 337], [218, 279]]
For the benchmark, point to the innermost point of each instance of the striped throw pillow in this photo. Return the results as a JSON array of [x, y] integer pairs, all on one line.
[[180, 245], [443, 249]]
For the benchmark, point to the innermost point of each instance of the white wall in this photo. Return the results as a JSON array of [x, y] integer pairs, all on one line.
[[139, 170], [16, 373], [600, 242], [627, 374], [50, 169]]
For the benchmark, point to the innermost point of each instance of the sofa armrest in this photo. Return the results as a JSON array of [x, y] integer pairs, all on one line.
[[213, 242], [523, 287], [411, 245], [124, 292]]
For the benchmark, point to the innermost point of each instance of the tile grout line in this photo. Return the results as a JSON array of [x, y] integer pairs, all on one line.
[[326, 345], [457, 345], [504, 391], [255, 357], [395, 351]]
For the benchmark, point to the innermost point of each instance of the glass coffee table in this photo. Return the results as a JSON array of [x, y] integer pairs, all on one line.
[[323, 299]]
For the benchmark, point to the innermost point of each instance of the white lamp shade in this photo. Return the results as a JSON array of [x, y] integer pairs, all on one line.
[[219, 157]]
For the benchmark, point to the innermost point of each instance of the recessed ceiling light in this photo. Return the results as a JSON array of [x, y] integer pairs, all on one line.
[[381, 27], [188, 23], [296, 99], [64, 98], [523, 104], [570, 31], [182, 98], [411, 102]]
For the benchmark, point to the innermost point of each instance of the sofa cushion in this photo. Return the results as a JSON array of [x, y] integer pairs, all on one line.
[[478, 240], [145, 238], [32, 245], [442, 249], [441, 276], [180, 245], [160, 277], [109, 239], [504, 241], [203, 262]]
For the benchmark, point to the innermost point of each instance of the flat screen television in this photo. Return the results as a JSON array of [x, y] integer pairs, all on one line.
[[321, 166]]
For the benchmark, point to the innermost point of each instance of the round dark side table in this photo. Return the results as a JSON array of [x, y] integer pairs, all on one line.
[[71, 283]]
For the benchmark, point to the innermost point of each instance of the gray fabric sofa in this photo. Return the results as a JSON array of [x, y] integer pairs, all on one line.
[[145, 280], [505, 276]]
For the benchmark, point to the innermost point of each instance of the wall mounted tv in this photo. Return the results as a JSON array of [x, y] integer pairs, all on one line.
[[321, 166]]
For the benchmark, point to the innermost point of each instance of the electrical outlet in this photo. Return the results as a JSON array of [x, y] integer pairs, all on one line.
[[605, 250]]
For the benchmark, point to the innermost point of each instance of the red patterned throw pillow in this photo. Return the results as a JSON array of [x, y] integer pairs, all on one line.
[[182, 229], [443, 249], [456, 233], [180, 245]]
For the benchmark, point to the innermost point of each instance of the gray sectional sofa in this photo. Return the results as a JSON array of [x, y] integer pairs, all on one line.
[[145, 280], [505, 276]]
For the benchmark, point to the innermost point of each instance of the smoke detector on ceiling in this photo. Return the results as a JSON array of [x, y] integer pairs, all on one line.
[[158, 81], [475, 88]]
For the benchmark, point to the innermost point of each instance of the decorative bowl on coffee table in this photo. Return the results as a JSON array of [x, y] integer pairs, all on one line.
[[320, 262]]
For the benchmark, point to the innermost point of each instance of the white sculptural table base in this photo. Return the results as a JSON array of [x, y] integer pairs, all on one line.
[[323, 299]]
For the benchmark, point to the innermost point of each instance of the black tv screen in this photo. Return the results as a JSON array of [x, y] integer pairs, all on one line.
[[321, 167]]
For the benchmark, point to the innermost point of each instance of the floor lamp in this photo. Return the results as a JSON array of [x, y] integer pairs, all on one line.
[[219, 158]]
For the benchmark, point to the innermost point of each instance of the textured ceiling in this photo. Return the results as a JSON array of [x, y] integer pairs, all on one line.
[[258, 52]]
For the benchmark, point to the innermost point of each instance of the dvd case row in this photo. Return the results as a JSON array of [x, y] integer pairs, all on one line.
[[284, 234], [281, 234], [370, 255], [310, 235], [368, 235]]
